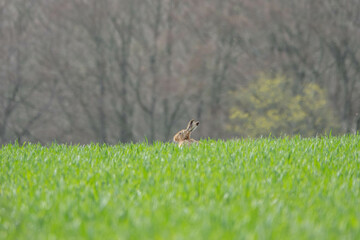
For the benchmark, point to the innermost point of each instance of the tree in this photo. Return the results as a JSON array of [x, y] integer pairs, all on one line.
[[25, 95], [318, 42], [269, 105]]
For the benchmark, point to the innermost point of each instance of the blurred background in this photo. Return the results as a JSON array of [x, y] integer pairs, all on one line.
[[110, 71]]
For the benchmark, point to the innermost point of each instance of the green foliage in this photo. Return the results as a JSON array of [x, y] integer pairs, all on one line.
[[301, 188], [269, 105]]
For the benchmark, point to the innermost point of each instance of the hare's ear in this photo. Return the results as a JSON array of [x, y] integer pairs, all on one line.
[[189, 126]]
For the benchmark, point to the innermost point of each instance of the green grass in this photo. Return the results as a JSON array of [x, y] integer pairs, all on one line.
[[286, 188]]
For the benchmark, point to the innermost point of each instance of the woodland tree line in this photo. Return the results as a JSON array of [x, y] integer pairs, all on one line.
[[113, 71]]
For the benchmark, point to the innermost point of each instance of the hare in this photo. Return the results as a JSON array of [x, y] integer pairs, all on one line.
[[183, 136]]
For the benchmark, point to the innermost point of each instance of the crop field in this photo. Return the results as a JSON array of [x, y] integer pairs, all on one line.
[[266, 188]]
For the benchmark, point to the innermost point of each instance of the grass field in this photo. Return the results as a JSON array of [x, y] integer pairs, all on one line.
[[286, 188]]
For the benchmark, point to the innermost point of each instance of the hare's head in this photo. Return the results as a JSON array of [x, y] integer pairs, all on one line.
[[185, 133]]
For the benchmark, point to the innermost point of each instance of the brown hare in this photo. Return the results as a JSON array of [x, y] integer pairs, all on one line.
[[183, 136]]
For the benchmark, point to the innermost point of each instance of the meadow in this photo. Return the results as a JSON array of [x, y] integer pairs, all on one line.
[[266, 188]]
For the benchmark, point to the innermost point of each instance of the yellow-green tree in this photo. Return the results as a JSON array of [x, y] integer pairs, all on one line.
[[270, 106]]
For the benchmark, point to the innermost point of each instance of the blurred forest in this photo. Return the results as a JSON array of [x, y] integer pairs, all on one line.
[[81, 71]]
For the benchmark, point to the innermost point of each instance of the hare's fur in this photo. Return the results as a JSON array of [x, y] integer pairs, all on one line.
[[183, 136]]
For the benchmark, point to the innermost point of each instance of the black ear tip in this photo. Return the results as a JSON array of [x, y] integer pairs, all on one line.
[[197, 123]]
